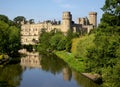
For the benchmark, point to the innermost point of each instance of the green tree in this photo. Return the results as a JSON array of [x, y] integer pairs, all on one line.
[[55, 40], [44, 44], [104, 57], [62, 43], [9, 37], [14, 40], [48, 41], [17, 20], [69, 36], [3, 36], [4, 18], [111, 14], [31, 21]]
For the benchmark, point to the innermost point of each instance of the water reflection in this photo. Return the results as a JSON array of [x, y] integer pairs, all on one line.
[[10, 75], [46, 63], [58, 68], [37, 70], [82, 81], [67, 73], [32, 60]]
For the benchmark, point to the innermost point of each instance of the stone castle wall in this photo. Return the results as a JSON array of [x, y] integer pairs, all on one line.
[[30, 32]]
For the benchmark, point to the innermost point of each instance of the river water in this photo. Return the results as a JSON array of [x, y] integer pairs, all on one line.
[[36, 70]]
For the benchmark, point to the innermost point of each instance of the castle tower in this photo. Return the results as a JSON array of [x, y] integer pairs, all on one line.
[[81, 21], [66, 21], [93, 18]]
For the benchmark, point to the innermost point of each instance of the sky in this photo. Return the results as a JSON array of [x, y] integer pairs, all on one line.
[[41, 10]]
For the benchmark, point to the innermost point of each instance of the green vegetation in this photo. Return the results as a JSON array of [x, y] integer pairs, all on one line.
[[104, 57], [70, 59], [55, 40], [9, 36], [100, 51], [17, 20], [81, 45]]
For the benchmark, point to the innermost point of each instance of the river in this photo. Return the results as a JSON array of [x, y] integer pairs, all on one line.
[[36, 70]]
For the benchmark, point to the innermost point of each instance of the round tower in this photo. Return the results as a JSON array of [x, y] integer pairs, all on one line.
[[93, 18], [66, 21]]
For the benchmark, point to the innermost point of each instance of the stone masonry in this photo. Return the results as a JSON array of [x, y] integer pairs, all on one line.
[[30, 32]]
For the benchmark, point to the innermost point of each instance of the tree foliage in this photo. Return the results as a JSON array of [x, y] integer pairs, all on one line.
[[111, 14], [82, 45], [55, 40], [17, 20], [9, 37], [104, 57]]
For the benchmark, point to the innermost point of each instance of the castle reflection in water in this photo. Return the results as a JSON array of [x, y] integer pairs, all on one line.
[[33, 60]]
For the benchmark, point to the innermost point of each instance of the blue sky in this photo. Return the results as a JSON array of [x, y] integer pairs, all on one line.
[[41, 10]]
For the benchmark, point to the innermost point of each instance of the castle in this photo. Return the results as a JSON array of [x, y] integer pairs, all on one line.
[[30, 32]]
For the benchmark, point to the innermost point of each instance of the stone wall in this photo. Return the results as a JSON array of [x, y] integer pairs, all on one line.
[[30, 32]]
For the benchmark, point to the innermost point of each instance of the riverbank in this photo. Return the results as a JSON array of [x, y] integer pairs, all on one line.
[[69, 58], [94, 77], [77, 65]]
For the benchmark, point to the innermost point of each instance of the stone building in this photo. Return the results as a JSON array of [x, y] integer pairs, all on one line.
[[30, 32]]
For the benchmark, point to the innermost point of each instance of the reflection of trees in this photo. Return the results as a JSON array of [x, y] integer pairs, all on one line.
[[10, 75], [83, 81], [52, 63]]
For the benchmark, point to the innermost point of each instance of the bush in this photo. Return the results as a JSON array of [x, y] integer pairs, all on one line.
[[80, 45]]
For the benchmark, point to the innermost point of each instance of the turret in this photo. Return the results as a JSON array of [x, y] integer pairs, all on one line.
[[66, 21], [93, 18], [81, 21]]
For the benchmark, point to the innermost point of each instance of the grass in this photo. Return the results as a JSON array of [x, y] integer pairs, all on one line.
[[69, 58]]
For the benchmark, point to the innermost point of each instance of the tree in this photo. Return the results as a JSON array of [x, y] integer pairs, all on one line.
[[104, 57], [44, 44], [17, 20], [54, 41], [3, 36], [69, 36], [14, 40], [4, 18], [9, 37], [62, 43], [31, 21], [111, 13]]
